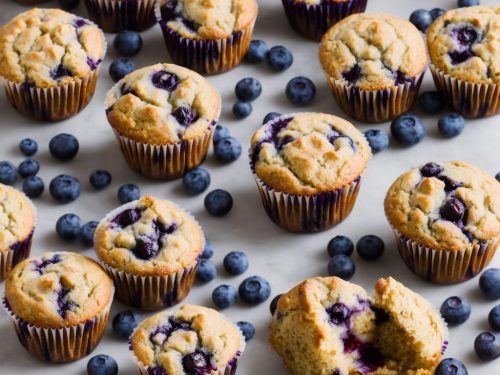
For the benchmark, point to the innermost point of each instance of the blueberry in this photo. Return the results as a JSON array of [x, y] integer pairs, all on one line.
[[270, 116], [242, 109], [254, 290], [33, 186], [68, 4], [64, 188], [68, 227], [224, 296], [127, 43], [64, 146], [467, 3], [421, 18], [206, 271], [86, 233], [248, 89], [256, 52], [340, 245], [279, 58], [436, 13], [102, 364], [235, 262], [274, 303], [370, 247], [431, 102], [208, 251], [28, 167], [487, 345], [120, 68], [196, 181], [124, 323], [489, 283], [128, 193], [228, 149], [247, 329], [497, 176], [378, 139], [220, 132], [408, 130], [8, 173], [451, 366], [451, 125], [28, 146], [218, 202], [455, 310], [300, 91], [494, 318], [100, 178], [341, 266]]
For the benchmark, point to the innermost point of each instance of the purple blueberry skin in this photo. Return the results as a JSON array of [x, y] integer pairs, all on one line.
[[455, 310], [487, 345]]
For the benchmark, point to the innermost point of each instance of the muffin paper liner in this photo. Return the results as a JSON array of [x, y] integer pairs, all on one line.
[[313, 20], [375, 105], [445, 266], [60, 345], [117, 15], [30, 2], [16, 253], [472, 100]]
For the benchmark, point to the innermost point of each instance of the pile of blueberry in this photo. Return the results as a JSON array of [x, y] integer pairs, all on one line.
[[126, 43]]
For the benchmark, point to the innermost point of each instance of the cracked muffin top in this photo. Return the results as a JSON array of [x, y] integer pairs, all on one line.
[[308, 153], [373, 51], [465, 43], [445, 206], [49, 48]]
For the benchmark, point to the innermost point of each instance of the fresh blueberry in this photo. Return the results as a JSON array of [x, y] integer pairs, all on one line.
[[220, 132], [436, 13], [340, 245], [254, 290], [370, 247], [467, 3], [127, 43], [120, 68], [431, 102], [28, 146], [279, 58], [242, 109], [208, 251], [451, 366], [33, 186], [8, 173], [421, 18], [247, 329], [274, 303], [487, 345], [68, 227], [494, 318], [497, 176], [228, 149], [28, 167], [102, 364], [455, 310], [218, 202], [206, 271], [125, 322], [257, 51], [270, 116], [86, 233], [224, 296], [100, 178], [196, 181], [378, 139], [341, 266], [300, 90], [235, 262], [64, 146], [128, 193], [451, 125], [68, 4], [489, 283], [408, 130], [248, 89], [64, 188]]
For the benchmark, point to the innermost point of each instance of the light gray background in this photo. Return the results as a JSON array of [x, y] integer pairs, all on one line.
[[283, 258]]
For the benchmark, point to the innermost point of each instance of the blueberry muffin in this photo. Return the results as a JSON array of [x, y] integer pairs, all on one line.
[[209, 36], [151, 249], [465, 56], [308, 168], [446, 218], [164, 116], [49, 62], [374, 64], [191, 340], [328, 326], [17, 224], [59, 304]]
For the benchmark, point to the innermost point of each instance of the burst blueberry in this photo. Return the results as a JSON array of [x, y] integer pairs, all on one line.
[[494, 318], [408, 130], [467, 3], [102, 364], [228, 149], [340, 245], [453, 210], [64, 188], [455, 310], [431, 169], [236, 262], [300, 91], [270, 116], [64, 146], [218, 202], [279, 58], [120, 67], [68, 227], [28, 146], [100, 179], [196, 181], [8, 173], [431, 102], [274, 303], [127, 43], [451, 366], [370, 247], [254, 290], [451, 125], [487, 345], [220, 132], [341, 266], [489, 283], [86, 233], [128, 193], [206, 271], [28, 167], [242, 109], [125, 322], [257, 51], [224, 296], [421, 18], [33, 186], [247, 329], [378, 140], [208, 250], [248, 89]]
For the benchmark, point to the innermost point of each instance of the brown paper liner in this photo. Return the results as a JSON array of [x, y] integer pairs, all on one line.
[[469, 99], [16, 253]]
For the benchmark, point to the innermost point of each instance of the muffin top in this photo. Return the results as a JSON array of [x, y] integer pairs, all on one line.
[[17, 218], [373, 51], [49, 48], [308, 153], [163, 104], [464, 43], [445, 206], [58, 289], [207, 19], [149, 236], [192, 340]]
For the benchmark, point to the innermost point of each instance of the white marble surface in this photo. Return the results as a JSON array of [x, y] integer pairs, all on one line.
[[283, 258]]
